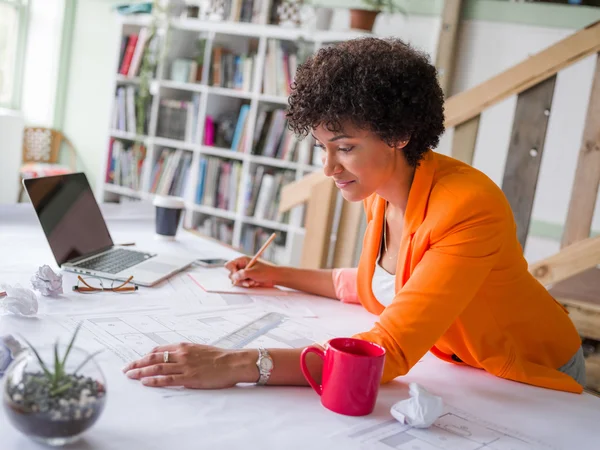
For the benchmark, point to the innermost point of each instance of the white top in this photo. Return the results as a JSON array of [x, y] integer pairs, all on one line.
[[383, 284]]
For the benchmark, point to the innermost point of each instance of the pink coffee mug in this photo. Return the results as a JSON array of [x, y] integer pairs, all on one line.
[[352, 371]]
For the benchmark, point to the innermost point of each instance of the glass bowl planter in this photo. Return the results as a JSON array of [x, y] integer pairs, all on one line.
[[54, 412]]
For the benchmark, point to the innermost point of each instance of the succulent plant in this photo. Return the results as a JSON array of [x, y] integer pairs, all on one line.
[[58, 379]]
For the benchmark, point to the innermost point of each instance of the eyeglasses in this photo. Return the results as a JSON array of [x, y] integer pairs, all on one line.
[[91, 285]]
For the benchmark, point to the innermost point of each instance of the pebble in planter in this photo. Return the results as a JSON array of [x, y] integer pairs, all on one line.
[[54, 403]]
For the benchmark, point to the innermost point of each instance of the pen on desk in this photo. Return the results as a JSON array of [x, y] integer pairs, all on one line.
[[258, 253], [126, 244]]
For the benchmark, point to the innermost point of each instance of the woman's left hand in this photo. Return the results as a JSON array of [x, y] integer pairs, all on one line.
[[193, 366]]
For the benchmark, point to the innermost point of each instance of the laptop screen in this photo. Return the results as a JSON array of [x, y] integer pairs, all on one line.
[[69, 215]]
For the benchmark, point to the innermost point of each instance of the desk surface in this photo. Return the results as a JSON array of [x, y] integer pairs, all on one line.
[[266, 417]]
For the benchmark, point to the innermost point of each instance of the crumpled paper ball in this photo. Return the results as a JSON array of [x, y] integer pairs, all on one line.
[[9, 348], [19, 300], [420, 410], [47, 281]]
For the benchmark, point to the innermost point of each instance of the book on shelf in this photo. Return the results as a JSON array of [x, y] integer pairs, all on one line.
[[124, 117], [263, 193], [209, 131], [231, 70], [189, 69], [184, 70], [170, 172], [228, 130], [237, 143], [218, 183], [217, 228], [124, 165], [133, 50], [254, 237], [248, 11], [178, 119], [272, 138], [281, 63]]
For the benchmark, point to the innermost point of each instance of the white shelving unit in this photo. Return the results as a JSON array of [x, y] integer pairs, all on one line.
[[176, 34]]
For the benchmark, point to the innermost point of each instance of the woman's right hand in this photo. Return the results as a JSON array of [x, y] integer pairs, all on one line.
[[261, 274]]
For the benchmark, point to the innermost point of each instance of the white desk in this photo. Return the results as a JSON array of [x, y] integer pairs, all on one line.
[[137, 417]]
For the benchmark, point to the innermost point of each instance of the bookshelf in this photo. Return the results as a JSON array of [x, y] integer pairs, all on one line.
[[215, 128]]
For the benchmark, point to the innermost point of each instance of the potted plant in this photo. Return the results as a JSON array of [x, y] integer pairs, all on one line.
[[364, 19], [54, 402]]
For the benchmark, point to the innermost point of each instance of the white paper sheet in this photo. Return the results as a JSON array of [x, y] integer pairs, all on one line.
[[217, 281]]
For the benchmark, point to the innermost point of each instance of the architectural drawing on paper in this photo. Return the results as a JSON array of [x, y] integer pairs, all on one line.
[[454, 430], [131, 336]]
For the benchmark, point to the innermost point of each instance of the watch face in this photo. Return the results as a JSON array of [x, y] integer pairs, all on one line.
[[266, 364]]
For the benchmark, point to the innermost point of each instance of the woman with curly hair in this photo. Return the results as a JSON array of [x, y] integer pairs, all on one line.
[[441, 264]]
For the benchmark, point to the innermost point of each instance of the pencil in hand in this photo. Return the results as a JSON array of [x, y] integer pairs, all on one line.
[[258, 254]]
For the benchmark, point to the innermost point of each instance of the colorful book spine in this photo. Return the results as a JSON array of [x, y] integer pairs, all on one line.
[[209, 131], [124, 70]]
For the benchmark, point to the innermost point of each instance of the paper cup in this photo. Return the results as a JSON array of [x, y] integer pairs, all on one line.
[[168, 215]]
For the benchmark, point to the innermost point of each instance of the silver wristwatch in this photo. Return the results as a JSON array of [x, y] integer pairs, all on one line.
[[265, 366]]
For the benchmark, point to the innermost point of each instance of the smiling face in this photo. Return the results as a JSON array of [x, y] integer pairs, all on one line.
[[358, 161]]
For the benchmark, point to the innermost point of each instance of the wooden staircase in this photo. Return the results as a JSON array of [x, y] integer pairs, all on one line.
[[572, 275]]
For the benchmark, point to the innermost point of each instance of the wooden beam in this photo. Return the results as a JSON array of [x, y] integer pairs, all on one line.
[[580, 294], [446, 49], [345, 244], [525, 152], [541, 66], [465, 137], [587, 174], [569, 261], [319, 219]]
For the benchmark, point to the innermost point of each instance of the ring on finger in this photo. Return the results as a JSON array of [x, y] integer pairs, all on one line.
[[166, 356]]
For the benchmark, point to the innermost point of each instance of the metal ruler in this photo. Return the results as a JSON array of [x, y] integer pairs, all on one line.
[[247, 333]]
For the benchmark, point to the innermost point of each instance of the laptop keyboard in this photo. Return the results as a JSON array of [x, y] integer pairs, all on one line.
[[114, 261]]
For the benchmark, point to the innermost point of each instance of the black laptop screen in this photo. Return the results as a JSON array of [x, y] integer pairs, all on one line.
[[69, 215]]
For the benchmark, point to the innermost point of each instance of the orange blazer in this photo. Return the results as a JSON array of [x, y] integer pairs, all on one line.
[[463, 289]]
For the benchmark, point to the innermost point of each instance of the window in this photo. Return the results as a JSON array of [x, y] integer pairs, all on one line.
[[12, 18]]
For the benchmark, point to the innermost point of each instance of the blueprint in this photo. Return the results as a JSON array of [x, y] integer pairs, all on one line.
[[454, 430], [131, 335]]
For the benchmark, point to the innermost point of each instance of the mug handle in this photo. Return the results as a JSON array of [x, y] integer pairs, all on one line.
[[321, 354]]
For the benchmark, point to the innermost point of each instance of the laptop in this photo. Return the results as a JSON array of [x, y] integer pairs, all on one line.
[[79, 238]]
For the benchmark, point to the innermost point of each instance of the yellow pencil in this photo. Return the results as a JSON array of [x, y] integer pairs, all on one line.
[[258, 253]]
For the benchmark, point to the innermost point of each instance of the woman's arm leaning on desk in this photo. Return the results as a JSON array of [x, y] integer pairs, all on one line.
[[198, 366], [205, 367], [312, 281]]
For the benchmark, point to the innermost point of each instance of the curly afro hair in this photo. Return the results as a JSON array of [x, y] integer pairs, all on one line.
[[381, 85]]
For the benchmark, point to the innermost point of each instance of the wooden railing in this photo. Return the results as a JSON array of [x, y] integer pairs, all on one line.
[[533, 81]]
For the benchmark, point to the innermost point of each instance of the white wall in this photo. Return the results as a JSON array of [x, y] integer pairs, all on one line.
[[420, 31], [42, 58], [91, 72], [11, 131]]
